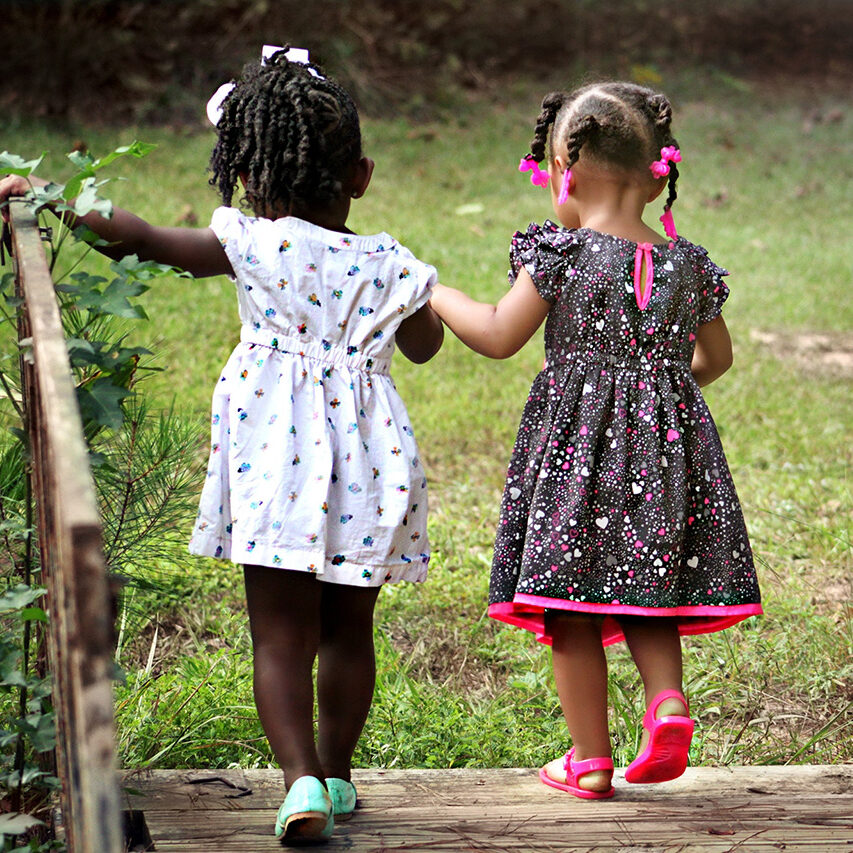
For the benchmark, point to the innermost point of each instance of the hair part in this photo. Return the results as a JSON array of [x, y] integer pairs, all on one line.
[[620, 124], [293, 136]]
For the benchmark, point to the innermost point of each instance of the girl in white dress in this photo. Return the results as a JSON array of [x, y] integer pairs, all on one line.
[[314, 482]]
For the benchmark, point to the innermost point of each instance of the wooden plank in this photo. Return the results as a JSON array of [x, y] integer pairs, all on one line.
[[80, 632], [708, 810]]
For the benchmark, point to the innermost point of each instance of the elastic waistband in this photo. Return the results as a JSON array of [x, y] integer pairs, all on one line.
[[604, 359], [333, 355]]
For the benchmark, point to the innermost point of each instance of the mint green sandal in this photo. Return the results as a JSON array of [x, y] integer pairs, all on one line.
[[305, 816], [343, 797]]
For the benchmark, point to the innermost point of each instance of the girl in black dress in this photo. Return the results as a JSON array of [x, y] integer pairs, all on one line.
[[619, 519]]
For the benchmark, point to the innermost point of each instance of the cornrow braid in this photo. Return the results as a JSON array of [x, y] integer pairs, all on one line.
[[292, 133], [584, 129], [552, 103]]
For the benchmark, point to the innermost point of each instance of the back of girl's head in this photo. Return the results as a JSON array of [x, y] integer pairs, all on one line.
[[616, 124], [290, 132]]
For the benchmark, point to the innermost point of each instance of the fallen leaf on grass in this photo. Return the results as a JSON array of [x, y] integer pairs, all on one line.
[[469, 209]]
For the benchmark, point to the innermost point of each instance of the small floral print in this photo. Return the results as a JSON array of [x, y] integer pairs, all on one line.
[[378, 283], [365, 311], [314, 300], [285, 245]]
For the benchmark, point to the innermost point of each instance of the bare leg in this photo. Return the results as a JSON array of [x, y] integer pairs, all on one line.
[[284, 614], [346, 673], [656, 648], [580, 673]]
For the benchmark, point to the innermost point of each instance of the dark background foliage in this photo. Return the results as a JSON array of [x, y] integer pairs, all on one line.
[[153, 61]]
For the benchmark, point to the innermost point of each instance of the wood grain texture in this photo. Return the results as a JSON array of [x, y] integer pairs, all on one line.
[[708, 810]]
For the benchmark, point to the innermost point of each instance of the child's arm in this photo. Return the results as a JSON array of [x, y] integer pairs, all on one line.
[[420, 336], [713, 354], [496, 331], [196, 250]]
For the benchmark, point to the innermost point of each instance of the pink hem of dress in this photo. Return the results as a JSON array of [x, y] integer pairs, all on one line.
[[528, 612]]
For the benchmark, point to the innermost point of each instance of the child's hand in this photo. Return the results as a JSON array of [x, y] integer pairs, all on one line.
[[12, 185]]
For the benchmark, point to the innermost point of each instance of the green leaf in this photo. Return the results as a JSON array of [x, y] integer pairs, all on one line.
[[12, 164], [83, 161], [88, 200], [16, 824], [135, 149], [33, 614], [100, 402], [20, 596], [116, 297], [6, 280], [84, 234], [131, 267]]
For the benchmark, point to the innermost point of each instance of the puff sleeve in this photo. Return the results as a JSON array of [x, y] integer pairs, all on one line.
[[713, 291], [546, 252]]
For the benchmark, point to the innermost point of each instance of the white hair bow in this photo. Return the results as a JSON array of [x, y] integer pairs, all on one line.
[[294, 54]]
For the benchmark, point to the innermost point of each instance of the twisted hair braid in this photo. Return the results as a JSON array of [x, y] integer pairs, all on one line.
[[660, 110], [551, 106], [291, 134], [585, 128]]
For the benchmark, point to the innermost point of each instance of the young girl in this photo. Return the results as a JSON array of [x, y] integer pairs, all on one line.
[[619, 518], [314, 481]]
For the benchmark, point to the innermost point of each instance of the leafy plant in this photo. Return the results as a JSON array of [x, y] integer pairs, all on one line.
[[142, 461]]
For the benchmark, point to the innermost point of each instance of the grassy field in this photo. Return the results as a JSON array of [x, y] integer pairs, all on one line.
[[765, 187]]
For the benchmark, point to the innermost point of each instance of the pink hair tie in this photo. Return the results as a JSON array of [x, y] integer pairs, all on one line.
[[669, 224], [565, 187], [669, 153], [539, 177]]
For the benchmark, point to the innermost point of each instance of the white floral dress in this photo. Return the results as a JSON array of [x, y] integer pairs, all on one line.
[[313, 463]]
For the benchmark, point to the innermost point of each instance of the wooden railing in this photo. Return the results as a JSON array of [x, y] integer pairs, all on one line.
[[73, 569]]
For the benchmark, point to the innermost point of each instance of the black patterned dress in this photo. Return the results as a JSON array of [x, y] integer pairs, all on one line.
[[618, 498]]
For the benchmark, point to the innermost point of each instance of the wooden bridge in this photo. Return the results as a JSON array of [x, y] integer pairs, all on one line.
[[747, 809]]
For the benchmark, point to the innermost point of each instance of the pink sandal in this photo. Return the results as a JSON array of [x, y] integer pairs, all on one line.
[[665, 755], [576, 769]]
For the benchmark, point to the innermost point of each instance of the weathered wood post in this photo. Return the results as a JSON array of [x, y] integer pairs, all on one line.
[[73, 569]]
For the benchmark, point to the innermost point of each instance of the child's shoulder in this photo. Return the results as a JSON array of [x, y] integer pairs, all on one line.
[[698, 256]]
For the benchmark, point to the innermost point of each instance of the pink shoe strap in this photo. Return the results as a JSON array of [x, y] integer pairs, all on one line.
[[651, 712], [580, 768]]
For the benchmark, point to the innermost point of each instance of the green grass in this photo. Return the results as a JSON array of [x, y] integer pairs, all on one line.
[[765, 187]]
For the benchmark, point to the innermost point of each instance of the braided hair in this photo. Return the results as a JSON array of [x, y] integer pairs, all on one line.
[[293, 136], [620, 124]]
